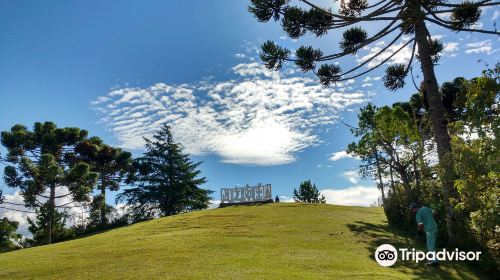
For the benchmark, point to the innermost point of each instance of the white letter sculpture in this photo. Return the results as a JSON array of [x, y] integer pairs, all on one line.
[[246, 194]]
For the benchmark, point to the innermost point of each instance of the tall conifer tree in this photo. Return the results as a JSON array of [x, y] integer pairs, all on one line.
[[166, 180]]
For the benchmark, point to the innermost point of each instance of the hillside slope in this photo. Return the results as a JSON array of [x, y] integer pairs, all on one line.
[[273, 241]]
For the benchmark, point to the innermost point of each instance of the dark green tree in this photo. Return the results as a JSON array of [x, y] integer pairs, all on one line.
[[166, 181], [391, 146], [38, 226], [8, 234], [110, 163], [399, 17], [42, 162], [308, 193], [96, 212], [476, 143]]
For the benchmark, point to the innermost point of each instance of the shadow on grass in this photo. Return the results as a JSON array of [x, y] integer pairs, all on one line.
[[374, 235]]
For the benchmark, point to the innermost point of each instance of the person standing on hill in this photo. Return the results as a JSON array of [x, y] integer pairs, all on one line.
[[426, 222]]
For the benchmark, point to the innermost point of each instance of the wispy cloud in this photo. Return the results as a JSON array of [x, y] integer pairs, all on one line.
[[352, 176], [480, 47], [402, 56], [450, 49], [340, 155], [259, 117]]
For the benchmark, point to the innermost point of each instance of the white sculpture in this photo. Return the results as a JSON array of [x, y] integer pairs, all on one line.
[[247, 194]]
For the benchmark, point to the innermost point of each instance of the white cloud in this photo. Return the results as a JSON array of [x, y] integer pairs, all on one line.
[[214, 204], [402, 57], [260, 117], [450, 49], [480, 47], [19, 213], [477, 25], [352, 176], [253, 69], [340, 155], [353, 196], [284, 198], [18, 216], [437, 37]]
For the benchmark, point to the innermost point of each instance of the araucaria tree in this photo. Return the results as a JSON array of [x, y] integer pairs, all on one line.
[[166, 181], [8, 234], [109, 163], [308, 193], [42, 166], [397, 18]]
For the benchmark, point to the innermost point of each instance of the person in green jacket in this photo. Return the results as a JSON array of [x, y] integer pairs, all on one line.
[[426, 222]]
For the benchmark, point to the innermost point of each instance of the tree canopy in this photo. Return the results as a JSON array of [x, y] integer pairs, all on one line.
[[308, 193], [110, 163], [42, 166]]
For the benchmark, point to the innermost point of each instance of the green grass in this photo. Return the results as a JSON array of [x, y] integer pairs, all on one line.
[[273, 241]]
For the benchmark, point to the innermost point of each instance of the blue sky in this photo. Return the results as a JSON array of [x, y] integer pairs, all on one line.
[[118, 68]]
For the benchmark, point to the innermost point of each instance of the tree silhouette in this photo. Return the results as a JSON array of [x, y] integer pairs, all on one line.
[[400, 18]]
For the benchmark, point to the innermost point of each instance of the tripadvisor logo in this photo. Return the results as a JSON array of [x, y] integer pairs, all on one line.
[[387, 255]]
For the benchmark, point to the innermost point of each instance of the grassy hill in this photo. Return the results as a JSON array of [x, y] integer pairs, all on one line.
[[273, 241]]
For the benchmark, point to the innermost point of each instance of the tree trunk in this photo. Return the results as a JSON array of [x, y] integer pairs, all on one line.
[[379, 173], [416, 172], [103, 201], [393, 188], [52, 206], [405, 180], [439, 125]]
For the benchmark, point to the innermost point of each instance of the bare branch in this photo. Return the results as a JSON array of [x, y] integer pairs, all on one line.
[[375, 67], [480, 4], [375, 55], [13, 203], [382, 10], [413, 79], [18, 210], [376, 4], [462, 29], [377, 36], [411, 58]]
